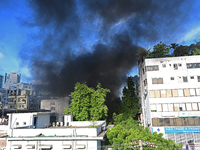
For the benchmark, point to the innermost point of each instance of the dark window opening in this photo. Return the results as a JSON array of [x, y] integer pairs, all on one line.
[[185, 79]]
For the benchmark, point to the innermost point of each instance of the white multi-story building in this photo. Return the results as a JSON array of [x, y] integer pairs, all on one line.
[[31, 131], [170, 97]]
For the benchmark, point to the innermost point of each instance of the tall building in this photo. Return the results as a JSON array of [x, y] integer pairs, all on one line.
[[11, 79], [1, 81], [170, 97]]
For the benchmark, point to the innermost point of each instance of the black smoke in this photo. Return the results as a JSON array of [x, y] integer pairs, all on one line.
[[96, 40]]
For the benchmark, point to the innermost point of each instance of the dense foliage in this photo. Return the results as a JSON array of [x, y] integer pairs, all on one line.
[[126, 137], [87, 103], [130, 106], [162, 50]]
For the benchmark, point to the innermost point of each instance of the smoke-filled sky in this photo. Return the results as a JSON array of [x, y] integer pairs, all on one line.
[[61, 42]]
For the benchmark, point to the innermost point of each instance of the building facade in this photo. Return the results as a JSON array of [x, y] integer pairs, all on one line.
[[11, 79], [23, 134], [55, 105], [170, 97]]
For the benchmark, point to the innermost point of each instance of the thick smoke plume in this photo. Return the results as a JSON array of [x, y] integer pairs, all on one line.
[[96, 40]]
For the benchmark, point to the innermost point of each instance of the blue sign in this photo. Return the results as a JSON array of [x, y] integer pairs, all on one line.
[[182, 129]]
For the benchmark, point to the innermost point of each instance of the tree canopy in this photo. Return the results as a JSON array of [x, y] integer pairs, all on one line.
[[130, 106], [87, 103], [160, 50], [126, 137]]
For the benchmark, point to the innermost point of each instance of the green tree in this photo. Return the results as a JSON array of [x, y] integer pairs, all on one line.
[[130, 105], [197, 48], [160, 50], [123, 137], [143, 53], [87, 103], [180, 50]]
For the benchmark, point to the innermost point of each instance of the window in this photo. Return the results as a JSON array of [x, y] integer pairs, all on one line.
[[185, 79], [153, 68], [169, 93], [179, 65], [180, 93], [198, 92], [176, 107], [182, 107], [157, 80], [193, 65], [192, 92], [163, 65], [170, 65], [194, 106], [17, 123], [24, 123], [188, 106], [175, 66], [157, 93], [172, 78], [153, 108], [175, 93], [171, 107], [151, 94], [163, 93], [52, 102], [191, 77], [198, 78], [165, 107], [186, 92], [52, 108], [159, 107]]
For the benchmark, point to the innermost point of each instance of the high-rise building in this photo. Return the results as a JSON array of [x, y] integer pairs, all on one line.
[[1, 81], [11, 79], [170, 97]]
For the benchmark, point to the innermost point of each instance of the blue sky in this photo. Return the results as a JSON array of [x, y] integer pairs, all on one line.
[[14, 36]]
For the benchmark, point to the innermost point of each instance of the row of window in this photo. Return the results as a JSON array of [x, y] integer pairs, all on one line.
[[193, 121], [174, 93], [175, 107], [175, 66], [179, 79], [17, 123]]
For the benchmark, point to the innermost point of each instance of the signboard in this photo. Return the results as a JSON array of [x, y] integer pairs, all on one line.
[[182, 129], [189, 114]]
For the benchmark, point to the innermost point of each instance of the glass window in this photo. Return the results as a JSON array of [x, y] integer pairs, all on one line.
[[188, 106], [175, 93], [24, 123], [163, 65], [52, 108], [172, 78], [182, 107], [186, 92], [160, 80], [185, 79], [175, 66], [193, 65], [154, 81], [179, 65], [157, 93], [159, 107], [176, 107], [163, 93], [151, 94], [192, 92], [169, 93], [194, 106], [165, 107], [198, 78], [171, 107], [17, 123], [191, 77], [152, 68], [198, 92], [180, 92]]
